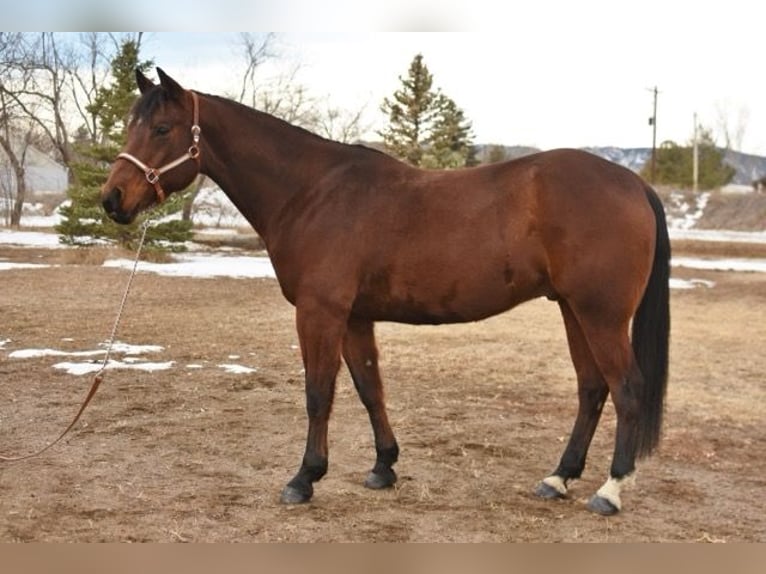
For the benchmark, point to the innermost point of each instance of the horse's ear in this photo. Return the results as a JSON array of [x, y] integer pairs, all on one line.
[[144, 83], [173, 88]]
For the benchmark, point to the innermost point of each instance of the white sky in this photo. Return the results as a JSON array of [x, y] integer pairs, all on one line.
[[571, 80], [547, 73]]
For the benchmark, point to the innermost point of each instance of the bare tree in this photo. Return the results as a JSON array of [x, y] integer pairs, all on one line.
[[256, 51], [94, 54], [732, 124], [49, 83], [45, 64], [15, 187], [342, 125], [86, 78], [14, 141], [285, 97]]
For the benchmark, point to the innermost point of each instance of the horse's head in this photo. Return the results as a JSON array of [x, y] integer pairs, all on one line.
[[161, 154]]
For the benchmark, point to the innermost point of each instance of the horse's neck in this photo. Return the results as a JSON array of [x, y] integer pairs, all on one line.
[[254, 158]]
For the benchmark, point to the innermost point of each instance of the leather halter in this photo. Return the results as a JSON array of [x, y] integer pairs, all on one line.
[[153, 174]]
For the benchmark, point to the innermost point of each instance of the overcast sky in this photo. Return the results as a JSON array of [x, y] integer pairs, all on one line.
[[544, 73]]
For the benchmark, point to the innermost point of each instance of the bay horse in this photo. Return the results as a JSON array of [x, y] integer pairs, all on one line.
[[356, 236]]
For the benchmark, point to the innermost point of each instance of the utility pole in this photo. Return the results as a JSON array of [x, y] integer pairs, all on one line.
[[653, 123], [695, 158]]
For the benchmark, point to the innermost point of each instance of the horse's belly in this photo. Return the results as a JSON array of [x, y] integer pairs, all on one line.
[[456, 301]]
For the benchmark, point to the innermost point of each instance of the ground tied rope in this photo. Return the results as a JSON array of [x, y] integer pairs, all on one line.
[[99, 376]]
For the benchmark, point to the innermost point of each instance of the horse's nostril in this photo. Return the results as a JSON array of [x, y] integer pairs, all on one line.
[[111, 200]]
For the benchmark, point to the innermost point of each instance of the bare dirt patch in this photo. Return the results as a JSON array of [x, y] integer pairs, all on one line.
[[481, 412]]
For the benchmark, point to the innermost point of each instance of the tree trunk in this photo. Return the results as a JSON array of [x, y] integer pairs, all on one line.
[[21, 183], [18, 205]]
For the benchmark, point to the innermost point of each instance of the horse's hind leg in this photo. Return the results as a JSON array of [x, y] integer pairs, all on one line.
[[610, 345], [592, 392], [361, 356]]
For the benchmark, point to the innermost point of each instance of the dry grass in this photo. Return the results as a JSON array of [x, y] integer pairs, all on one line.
[[743, 212]]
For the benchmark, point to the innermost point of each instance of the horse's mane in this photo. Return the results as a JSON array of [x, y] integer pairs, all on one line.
[[277, 120]]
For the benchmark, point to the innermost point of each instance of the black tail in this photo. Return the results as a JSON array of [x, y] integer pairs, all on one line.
[[651, 335]]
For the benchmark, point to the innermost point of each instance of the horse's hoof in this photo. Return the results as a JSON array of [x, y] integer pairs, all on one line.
[[292, 495], [378, 481], [602, 506], [545, 490]]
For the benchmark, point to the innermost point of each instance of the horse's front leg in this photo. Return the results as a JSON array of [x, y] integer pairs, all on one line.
[[361, 355], [321, 332]]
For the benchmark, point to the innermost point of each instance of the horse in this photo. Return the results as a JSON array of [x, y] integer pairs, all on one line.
[[356, 237]]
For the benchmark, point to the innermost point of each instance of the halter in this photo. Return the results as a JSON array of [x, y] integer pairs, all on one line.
[[153, 174]]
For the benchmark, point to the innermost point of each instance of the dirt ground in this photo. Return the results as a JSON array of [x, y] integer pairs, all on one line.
[[481, 413]]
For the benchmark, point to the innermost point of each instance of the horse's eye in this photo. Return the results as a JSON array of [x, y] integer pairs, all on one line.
[[161, 130]]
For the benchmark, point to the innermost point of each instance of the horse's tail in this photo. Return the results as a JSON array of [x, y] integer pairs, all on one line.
[[651, 335]]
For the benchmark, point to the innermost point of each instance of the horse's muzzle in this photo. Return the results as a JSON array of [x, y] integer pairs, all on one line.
[[111, 202]]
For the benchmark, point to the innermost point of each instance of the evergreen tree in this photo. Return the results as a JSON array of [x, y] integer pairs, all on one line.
[[83, 219], [674, 164], [410, 113], [426, 128], [450, 142], [713, 172]]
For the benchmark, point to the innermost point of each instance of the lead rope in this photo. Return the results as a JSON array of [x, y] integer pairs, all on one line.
[[99, 376]]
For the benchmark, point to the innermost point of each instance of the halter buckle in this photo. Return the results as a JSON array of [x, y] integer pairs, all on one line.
[[152, 175]]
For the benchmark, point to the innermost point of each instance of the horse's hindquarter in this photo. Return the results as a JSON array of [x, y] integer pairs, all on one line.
[[597, 228]]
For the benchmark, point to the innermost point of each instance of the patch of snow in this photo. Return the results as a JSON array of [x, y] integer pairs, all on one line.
[[38, 353], [237, 369], [128, 349], [204, 266], [30, 239], [690, 283], [681, 215], [719, 235], [90, 367], [117, 347], [131, 361], [7, 266], [754, 265], [737, 188]]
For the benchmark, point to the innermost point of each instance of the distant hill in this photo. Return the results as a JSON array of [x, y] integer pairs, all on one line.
[[748, 168]]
